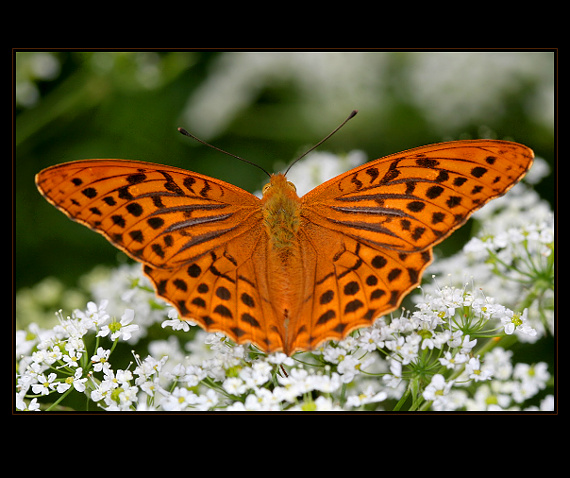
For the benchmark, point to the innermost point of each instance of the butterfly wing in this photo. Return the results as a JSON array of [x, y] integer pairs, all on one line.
[[350, 284], [159, 215], [412, 200], [195, 235], [369, 232]]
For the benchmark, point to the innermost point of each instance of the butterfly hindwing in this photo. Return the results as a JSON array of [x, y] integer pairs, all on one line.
[[224, 291], [353, 284]]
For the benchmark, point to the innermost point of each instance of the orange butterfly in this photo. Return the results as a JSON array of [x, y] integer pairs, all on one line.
[[286, 272]]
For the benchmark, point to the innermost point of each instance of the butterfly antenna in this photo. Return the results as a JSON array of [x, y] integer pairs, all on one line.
[[350, 116], [186, 133]]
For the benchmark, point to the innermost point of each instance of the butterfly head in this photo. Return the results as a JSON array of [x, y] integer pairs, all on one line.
[[279, 185]]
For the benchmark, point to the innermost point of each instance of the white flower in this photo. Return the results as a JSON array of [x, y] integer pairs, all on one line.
[[262, 399], [350, 367], [467, 344], [324, 404], [95, 316], [513, 321], [256, 375], [194, 375], [124, 376], [499, 361], [120, 329], [455, 339], [546, 404], [151, 387], [234, 386], [369, 395], [294, 384], [128, 396], [451, 361], [279, 358], [45, 384], [333, 354], [407, 347], [537, 374], [207, 400], [179, 399], [217, 341], [370, 339], [71, 358], [475, 372], [75, 380], [523, 391], [487, 397], [33, 406], [147, 368], [324, 383], [176, 322], [53, 355], [437, 390], [100, 360]]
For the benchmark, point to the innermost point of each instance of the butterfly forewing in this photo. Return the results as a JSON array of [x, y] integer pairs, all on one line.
[[414, 199], [160, 215]]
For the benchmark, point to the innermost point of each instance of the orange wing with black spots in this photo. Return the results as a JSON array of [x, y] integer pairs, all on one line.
[[369, 232], [195, 236]]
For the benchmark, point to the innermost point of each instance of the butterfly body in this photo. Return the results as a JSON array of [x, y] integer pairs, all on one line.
[[281, 214], [286, 272]]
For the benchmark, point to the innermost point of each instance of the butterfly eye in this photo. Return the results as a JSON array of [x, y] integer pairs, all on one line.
[[266, 188], [293, 187]]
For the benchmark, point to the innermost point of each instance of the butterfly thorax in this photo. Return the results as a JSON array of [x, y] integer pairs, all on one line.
[[281, 214]]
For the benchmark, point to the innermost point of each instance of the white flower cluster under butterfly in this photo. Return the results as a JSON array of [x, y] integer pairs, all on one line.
[[215, 374]]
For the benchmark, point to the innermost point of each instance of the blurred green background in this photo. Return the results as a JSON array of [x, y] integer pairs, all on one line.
[[267, 107]]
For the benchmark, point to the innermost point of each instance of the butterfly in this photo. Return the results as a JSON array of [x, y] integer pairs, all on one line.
[[287, 273]]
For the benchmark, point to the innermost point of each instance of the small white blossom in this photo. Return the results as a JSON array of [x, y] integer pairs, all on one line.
[[369, 395], [76, 380], [513, 321], [475, 372], [234, 386], [452, 361], [120, 329], [100, 359], [45, 384], [437, 390], [279, 358], [176, 322], [180, 399], [95, 315]]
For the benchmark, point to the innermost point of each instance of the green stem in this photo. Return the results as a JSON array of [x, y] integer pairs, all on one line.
[[69, 390], [402, 400]]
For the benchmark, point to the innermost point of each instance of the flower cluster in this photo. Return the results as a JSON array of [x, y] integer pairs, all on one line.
[[451, 351], [431, 358], [57, 360]]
